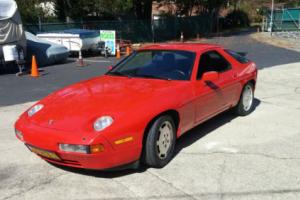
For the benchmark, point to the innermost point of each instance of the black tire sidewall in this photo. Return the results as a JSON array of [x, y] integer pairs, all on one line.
[[151, 154]]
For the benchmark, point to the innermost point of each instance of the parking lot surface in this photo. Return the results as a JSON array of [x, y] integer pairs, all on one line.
[[228, 157], [253, 157], [16, 90]]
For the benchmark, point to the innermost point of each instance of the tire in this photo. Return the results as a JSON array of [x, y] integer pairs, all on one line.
[[160, 142], [245, 104]]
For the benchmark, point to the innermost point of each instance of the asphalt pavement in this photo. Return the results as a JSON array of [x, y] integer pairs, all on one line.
[[265, 55], [16, 90]]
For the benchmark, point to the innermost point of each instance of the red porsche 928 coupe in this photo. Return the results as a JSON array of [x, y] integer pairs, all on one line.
[[137, 110]]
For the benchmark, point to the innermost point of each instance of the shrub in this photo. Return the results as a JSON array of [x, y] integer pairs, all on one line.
[[237, 18]]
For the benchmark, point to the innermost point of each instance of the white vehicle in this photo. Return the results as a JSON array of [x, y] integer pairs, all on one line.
[[74, 39], [12, 37]]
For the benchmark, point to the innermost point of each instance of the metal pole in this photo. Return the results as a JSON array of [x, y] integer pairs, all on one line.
[[152, 29], [272, 16], [40, 23]]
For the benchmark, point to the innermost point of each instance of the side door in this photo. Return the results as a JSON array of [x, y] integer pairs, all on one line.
[[228, 78], [208, 94]]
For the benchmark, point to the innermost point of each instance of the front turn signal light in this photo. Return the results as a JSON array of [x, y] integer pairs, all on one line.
[[19, 135], [96, 148]]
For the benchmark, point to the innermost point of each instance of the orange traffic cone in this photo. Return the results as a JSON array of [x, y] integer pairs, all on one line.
[[127, 51], [34, 68], [118, 54]]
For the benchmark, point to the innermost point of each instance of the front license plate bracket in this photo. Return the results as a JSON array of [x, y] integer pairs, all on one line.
[[43, 153]]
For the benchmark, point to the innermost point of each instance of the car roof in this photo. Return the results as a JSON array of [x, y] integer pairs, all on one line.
[[195, 47]]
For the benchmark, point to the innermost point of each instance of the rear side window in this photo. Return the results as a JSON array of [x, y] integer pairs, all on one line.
[[238, 57], [212, 61]]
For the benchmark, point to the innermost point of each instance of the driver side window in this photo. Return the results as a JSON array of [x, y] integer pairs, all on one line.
[[212, 61]]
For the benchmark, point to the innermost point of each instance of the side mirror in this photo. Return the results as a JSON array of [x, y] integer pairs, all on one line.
[[210, 76], [243, 54]]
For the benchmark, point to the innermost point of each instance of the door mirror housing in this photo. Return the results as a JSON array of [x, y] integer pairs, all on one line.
[[210, 76]]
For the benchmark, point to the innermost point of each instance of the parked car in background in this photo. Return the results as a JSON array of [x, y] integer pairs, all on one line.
[[137, 110], [46, 53], [74, 39]]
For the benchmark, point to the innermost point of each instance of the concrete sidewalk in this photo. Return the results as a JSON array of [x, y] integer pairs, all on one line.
[[253, 157]]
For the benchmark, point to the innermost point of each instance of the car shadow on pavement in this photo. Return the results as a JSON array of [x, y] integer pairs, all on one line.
[[186, 140], [207, 127]]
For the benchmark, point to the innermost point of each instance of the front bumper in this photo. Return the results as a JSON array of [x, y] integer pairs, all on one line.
[[49, 139]]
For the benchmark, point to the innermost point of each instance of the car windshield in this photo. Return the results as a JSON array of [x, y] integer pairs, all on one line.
[[156, 64]]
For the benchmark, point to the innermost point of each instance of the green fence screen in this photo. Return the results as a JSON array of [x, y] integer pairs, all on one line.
[[166, 28], [284, 20]]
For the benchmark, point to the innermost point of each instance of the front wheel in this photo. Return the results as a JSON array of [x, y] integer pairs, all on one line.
[[160, 142], [245, 105]]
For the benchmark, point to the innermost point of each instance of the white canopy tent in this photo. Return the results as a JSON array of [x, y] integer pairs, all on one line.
[[7, 9], [11, 28]]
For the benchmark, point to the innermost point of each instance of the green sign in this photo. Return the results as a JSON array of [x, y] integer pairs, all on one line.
[[109, 37]]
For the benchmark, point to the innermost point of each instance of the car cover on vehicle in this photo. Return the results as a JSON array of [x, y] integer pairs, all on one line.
[[11, 28], [46, 53]]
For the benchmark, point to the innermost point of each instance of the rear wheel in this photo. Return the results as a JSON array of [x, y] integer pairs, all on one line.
[[245, 105], [160, 142]]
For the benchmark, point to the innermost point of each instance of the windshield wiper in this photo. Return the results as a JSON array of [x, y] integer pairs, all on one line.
[[117, 73], [154, 77]]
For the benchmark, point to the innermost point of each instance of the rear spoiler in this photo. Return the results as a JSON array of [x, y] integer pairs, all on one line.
[[244, 54]]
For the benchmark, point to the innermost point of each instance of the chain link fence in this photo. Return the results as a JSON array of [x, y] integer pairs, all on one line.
[[158, 30], [283, 20]]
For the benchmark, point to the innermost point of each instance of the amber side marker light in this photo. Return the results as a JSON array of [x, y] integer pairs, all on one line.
[[96, 148], [121, 141]]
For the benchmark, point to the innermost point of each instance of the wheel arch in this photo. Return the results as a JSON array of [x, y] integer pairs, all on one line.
[[172, 112], [246, 81], [253, 82]]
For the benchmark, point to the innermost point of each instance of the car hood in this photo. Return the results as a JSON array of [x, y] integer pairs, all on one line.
[[77, 107]]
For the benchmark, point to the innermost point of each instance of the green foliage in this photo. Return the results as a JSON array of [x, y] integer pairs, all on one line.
[[292, 4], [185, 7], [138, 9], [188, 7], [237, 18], [29, 11], [82, 9], [213, 5]]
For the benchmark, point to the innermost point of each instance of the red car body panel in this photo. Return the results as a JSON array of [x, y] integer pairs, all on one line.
[[133, 103]]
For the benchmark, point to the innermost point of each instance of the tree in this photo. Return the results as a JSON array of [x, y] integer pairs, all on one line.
[[82, 9], [29, 10], [61, 9], [142, 9], [113, 8], [187, 7]]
